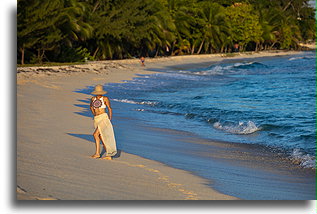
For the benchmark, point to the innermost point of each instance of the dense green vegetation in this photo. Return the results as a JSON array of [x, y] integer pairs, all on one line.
[[79, 30]]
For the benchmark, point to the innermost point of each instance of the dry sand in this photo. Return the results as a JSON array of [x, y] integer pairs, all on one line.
[[52, 164]]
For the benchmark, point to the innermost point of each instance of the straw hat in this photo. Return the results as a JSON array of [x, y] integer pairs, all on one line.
[[99, 90]]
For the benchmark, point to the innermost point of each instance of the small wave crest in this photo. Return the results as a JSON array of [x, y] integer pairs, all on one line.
[[224, 69], [151, 103], [304, 160], [240, 128], [140, 109], [301, 57], [247, 65]]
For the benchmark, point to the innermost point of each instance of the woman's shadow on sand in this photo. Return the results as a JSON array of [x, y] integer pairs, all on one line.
[[90, 138]]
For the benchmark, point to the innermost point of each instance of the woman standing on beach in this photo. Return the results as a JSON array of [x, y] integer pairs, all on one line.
[[103, 127]]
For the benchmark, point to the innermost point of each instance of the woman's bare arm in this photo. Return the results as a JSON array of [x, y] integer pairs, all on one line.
[[107, 102], [91, 108]]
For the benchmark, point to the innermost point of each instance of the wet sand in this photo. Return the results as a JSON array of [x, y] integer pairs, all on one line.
[[54, 139], [52, 164]]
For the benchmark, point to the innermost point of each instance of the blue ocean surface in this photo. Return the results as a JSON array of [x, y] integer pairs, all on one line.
[[267, 101]]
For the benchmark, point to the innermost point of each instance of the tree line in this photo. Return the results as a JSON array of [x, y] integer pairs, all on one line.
[[79, 30]]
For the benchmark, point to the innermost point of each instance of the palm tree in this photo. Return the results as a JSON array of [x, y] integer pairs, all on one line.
[[184, 13], [268, 19], [215, 28], [43, 25], [284, 28], [74, 21], [289, 34], [160, 32], [284, 23], [36, 26]]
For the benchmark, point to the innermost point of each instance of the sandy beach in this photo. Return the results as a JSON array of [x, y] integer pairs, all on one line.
[[53, 164]]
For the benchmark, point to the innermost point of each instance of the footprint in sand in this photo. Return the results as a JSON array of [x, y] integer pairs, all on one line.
[[189, 195], [22, 191]]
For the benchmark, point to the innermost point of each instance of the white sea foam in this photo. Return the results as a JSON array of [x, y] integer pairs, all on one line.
[[241, 128], [243, 64], [135, 102], [125, 101], [301, 57], [295, 58], [140, 109], [219, 69], [304, 160]]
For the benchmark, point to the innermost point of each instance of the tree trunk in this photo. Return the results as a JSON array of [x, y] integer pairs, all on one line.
[[22, 57], [156, 53], [289, 3], [193, 49], [172, 49], [201, 46], [242, 48], [272, 45], [95, 53], [39, 60], [40, 54], [95, 7]]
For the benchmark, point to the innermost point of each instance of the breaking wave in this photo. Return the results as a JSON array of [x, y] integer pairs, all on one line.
[[151, 103], [304, 160], [225, 69], [240, 128], [301, 57]]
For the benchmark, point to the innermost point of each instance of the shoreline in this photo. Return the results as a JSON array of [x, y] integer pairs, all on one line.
[[257, 166], [254, 166], [247, 54], [45, 171], [59, 103]]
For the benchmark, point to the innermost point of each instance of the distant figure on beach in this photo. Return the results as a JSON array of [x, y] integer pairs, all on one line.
[[142, 61], [236, 47], [103, 127]]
